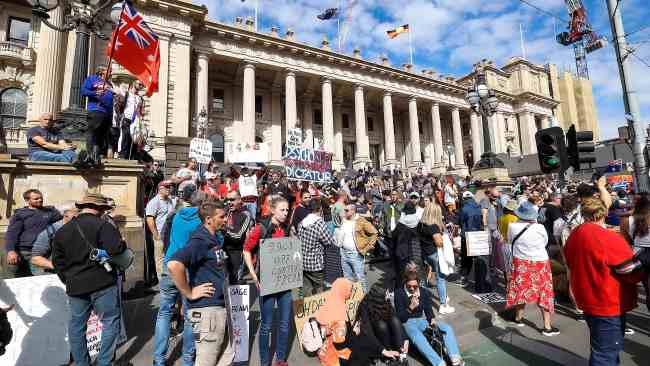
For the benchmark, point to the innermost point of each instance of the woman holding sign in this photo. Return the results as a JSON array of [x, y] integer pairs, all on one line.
[[272, 227], [531, 277]]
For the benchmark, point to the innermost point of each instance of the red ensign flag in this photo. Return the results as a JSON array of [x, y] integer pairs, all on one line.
[[136, 47]]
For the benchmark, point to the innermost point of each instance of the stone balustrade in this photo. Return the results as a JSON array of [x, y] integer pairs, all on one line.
[[16, 52]]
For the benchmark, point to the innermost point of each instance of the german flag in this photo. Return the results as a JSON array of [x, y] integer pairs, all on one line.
[[397, 31]]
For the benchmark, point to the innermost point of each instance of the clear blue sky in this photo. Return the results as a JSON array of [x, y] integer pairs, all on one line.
[[451, 35]]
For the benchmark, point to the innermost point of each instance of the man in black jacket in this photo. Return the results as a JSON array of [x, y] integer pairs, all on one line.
[[301, 211], [24, 227], [238, 222], [89, 284]]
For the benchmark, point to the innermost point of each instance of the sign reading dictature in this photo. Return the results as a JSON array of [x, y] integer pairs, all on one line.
[[307, 164], [280, 265]]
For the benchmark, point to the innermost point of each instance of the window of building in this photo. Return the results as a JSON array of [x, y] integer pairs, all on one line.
[[217, 147], [218, 100], [13, 108], [318, 117], [371, 124], [345, 121], [18, 31], [466, 129], [258, 104]]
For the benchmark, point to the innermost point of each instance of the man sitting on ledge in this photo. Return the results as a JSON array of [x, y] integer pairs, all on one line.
[[47, 144]]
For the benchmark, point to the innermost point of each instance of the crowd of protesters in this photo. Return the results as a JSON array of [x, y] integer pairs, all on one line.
[[206, 226]]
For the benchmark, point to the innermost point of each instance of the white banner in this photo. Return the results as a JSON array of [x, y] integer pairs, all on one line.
[[258, 152], [478, 243], [201, 150], [238, 309]]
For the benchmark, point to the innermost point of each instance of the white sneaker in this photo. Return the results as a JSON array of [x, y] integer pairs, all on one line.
[[446, 309]]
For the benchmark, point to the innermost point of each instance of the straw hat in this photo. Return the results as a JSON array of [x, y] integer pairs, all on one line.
[[94, 199]]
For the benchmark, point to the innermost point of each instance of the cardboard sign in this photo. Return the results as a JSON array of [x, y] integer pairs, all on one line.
[[238, 310], [280, 265], [303, 309], [478, 243], [201, 150], [621, 181], [307, 164], [258, 152], [40, 322], [294, 137]]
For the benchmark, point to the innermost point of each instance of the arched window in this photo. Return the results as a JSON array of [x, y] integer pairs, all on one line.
[[217, 147], [13, 108]]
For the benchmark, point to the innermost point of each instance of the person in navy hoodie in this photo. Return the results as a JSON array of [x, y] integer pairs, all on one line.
[[99, 93], [205, 262]]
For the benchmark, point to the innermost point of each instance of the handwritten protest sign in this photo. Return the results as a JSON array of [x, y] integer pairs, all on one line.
[[280, 265], [201, 150], [40, 322], [294, 137], [303, 309], [307, 164], [238, 308], [478, 243], [238, 152]]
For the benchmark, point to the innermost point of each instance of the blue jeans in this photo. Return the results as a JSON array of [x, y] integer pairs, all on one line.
[[441, 279], [415, 328], [105, 303], [606, 335], [267, 304], [66, 156], [252, 208], [169, 294], [353, 265]]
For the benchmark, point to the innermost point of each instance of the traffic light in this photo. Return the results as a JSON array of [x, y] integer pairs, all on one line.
[[580, 145], [551, 150]]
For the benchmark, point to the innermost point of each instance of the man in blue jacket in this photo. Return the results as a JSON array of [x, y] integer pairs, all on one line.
[[184, 223], [471, 219], [99, 93], [204, 260]]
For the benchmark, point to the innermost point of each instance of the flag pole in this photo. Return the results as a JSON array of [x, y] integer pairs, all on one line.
[[410, 44], [109, 67], [257, 5], [338, 22]]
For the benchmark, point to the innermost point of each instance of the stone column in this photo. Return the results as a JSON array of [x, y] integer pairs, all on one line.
[[476, 135], [202, 81], [362, 148], [181, 79], [338, 134], [389, 131], [527, 132], [291, 114], [416, 157], [458, 139], [276, 125], [308, 120], [248, 133], [438, 158], [328, 115], [48, 78], [495, 133]]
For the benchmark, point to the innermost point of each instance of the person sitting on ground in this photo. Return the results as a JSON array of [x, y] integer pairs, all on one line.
[[415, 310], [45, 143]]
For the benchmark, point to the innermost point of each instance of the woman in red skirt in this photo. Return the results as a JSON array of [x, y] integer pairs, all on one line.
[[531, 280]]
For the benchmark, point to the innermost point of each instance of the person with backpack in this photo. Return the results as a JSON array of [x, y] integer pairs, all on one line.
[[42, 249], [273, 227]]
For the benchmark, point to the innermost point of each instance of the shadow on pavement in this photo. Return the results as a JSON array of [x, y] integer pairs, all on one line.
[[139, 316]]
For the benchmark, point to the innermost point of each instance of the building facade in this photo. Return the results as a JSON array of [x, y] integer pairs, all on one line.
[[254, 85]]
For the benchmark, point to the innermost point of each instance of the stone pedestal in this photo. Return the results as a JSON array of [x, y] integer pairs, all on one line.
[[63, 184], [499, 176], [177, 151]]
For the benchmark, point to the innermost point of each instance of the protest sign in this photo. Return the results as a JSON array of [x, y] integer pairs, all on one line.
[[294, 137], [307, 164], [243, 153], [303, 309], [201, 150], [280, 265], [478, 243], [621, 182], [40, 322], [238, 310]]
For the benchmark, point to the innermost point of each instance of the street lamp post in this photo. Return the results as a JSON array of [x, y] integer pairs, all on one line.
[[85, 17], [484, 102]]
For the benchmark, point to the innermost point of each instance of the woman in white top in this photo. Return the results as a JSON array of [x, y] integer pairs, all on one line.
[[638, 225], [532, 280]]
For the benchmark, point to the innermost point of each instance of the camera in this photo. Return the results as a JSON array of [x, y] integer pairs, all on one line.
[[101, 256]]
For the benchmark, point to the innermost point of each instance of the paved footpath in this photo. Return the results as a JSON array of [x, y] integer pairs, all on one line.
[[484, 337]]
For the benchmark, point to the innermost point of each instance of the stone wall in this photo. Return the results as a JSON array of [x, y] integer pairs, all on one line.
[[177, 150], [62, 184]]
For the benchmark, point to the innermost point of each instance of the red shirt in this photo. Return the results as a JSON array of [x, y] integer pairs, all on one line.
[[253, 239], [225, 188], [591, 253]]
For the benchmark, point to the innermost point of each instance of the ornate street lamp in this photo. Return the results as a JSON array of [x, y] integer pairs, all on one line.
[[200, 123], [484, 102], [85, 17]]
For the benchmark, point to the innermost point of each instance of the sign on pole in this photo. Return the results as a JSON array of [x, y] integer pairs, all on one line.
[[294, 137], [201, 150], [307, 164], [238, 309], [238, 152], [280, 265], [478, 243], [303, 309]]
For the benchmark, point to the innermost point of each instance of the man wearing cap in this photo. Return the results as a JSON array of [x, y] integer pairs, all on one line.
[[157, 210], [89, 285], [471, 219], [211, 186]]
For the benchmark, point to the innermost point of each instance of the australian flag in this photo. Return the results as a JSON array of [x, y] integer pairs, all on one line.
[[328, 14]]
